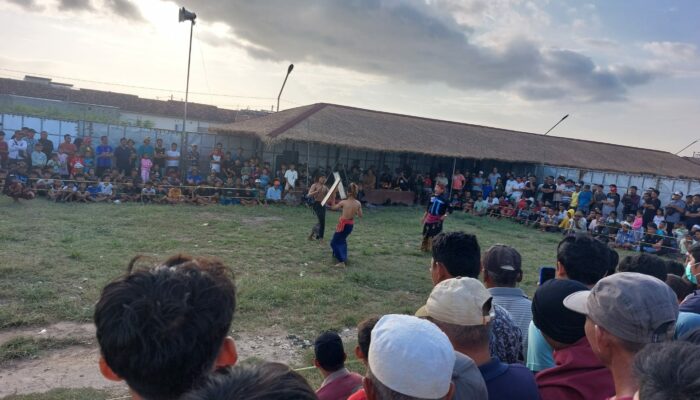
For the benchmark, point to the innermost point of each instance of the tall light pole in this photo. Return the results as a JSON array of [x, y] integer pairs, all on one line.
[[555, 125], [289, 71], [185, 15]]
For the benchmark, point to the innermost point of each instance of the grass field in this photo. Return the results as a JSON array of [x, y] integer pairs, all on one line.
[[55, 258]]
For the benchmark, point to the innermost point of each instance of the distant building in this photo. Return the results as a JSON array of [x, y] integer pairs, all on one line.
[[62, 100]]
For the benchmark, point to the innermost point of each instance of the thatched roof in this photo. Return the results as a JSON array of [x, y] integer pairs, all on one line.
[[375, 130]]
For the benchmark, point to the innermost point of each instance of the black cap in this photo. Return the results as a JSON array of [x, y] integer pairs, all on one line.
[[551, 317]]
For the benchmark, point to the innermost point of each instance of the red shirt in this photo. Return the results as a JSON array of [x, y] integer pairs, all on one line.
[[339, 385], [68, 148], [4, 149], [359, 395], [578, 374]]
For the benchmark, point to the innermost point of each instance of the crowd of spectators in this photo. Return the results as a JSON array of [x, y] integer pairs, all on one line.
[[612, 329], [79, 171]]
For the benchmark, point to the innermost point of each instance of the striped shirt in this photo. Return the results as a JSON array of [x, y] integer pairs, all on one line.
[[518, 305]]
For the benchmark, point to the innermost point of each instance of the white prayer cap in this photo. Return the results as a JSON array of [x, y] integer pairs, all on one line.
[[411, 356]]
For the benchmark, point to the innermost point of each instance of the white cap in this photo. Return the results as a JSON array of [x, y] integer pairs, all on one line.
[[458, 301], [78, 165], [411, 356]]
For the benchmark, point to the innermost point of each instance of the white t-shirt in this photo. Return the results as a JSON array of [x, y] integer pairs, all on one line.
[[291, 177], [518, 190], [509, 186], [15, 146], [172, 163], [105, 188]]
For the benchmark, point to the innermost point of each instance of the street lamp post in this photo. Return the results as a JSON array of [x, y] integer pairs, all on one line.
[[185, 15], [289, 71], [555, 125]]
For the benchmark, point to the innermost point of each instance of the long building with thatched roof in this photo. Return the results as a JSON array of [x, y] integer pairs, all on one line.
[[327, 134]]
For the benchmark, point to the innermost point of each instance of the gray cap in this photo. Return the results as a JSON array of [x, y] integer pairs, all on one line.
[[633, 307]]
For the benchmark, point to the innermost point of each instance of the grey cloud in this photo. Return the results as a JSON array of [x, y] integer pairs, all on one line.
[[75, 5], [413, 41], [124, 8], [31, 5]]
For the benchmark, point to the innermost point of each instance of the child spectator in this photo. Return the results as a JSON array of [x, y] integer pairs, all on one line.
[[659, 217], [56, 192], [146, 165], [106, 190], [329, 359], [148, 193], [175, 196], [62, 162], [82, 195], [38, 156], [139, 340], [480, 207]]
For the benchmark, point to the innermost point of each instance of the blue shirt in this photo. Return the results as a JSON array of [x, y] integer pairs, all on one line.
[[692, 303], [686, 322], [104, 161], [539, 352], [146, 149], [584, 198], [509, 381], [274, 194]]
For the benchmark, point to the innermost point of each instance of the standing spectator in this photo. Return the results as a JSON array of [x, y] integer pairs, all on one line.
[[530, 188], [68, 147], [611, 201], [578, 374], [494, 175], [458, 254], [4, 151], [668, 371], [458, 181], [441, 178], [38, 156], [159, 157], [674, 210], [502, 267], [31, 141], [409, 358], [598, 198], [215, 158], [548, 189], [17, 149], [585, 198], [477, 182], [630, 202], [625, 312], [692, 214], [160, 360], [579, 258], [172, 158], [193, 157], [468, 327], [651, 204], [122, 154], [134, 160], [290, 177], [146, 148], [329, 359], [567, 191], [46, 144], [104, 156]]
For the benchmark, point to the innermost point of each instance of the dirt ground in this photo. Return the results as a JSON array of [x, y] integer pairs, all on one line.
[[76, 366]]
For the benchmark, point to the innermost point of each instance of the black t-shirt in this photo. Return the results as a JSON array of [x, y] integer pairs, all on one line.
[[651, 212], [160, 162], [437, 206], [548, 197], [122, 154], [690, 221], [529, 190]]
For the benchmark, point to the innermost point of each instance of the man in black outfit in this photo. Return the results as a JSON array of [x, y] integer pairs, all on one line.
[[651, 204]]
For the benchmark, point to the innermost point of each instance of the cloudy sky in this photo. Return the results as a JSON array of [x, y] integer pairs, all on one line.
[[626, 72]]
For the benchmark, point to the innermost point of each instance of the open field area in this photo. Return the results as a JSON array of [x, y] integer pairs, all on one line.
[[55, 258]]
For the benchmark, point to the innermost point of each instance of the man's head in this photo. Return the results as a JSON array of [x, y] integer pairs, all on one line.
[[409, 358], [668, 371], [455, 254], [643, 263], [163, 329], [624, 312], [582, 259], [560, 326], [268, 381], [502, 266], [159, 142], [173, 146], [364, 338], [66, 138], [329, 355], [461, 307]]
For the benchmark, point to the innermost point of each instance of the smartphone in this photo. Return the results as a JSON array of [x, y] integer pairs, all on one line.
[[546, 273]]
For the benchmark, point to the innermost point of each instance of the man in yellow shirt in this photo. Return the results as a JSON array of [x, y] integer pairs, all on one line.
[[574, 197]]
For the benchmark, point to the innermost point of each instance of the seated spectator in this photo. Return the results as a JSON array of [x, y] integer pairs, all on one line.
[[458, 254], [329, 359], [625, 238], [467, 327], [502, 267], [274, 193], [264, 381], [480, 206], [364, 338], [624, 312], [577, 374], [163, 329], [409, 358], [668, 371], [680, 287]]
